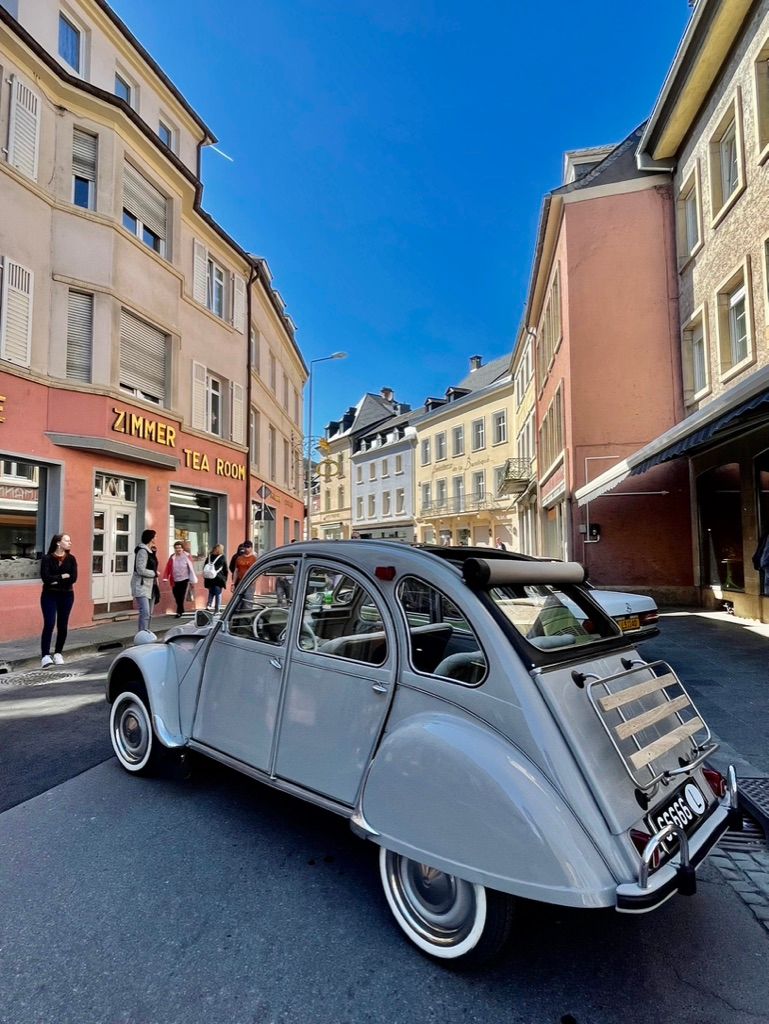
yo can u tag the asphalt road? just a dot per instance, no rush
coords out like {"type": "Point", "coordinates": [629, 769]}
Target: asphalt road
{"type": "Point", "coordinates": [217, 900]}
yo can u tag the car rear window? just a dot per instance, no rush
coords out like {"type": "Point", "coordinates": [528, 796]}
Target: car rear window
{"type": "Point", "coordinates": [552, 618]}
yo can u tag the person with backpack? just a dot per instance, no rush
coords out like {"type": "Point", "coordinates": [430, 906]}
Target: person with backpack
{"type": "Point", "coordinates": [143, 580]}
{"type": "Point", "coordinates": [215, 577]}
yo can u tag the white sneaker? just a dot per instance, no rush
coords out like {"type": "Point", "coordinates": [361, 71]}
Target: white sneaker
{"type": "Point", "coordinates": [58, 659]}
{"type": "Point", "coordinates": [47, 660]}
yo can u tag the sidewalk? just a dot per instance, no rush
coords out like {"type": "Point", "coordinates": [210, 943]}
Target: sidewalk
{"type": "Point", "coordinates": [17, 655]}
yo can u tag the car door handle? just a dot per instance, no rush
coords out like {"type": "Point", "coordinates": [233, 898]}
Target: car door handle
{"type": "Point", "coordinates": [276, 663]}
{"type": "Point", "coordinates": [379, 688]}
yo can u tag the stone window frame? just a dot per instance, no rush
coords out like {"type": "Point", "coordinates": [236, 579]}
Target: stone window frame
{"type": "Point", "coordinates": [698, 319]}
{"type": "Point", "coordinates": [761, 100]}
{"type": "Point", "coordinates": [740, 277]}
{"type": "Point", "coordinates": [732, 115]}
{"type": "Point", "coordinates": [691, 185]}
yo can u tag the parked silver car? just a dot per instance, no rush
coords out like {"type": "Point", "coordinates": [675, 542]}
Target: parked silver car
{"type": "Point", "coordinates": [451, 704]}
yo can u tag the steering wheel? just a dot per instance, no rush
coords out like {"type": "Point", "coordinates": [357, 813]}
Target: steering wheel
{"type": "Point", "coordinates": [259, 626]}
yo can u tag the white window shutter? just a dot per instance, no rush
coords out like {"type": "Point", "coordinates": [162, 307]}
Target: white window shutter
{"type": "Point", "coordinates": [143, 358]}
{"type": "Point", "coordinates": [24, 129]}
{"type": "Point", "coordinates": [199, 272]}
{"type": "Point", "coordinates": [239, 304]}
{"type": "Point", "coordinates": [199, 375]}
{"type": "Point", "coordinates": [79, 336]}
{"type": "Point", "coordinates": [237, 421]}
{"type": "Point", "coordinates": [16, 313]}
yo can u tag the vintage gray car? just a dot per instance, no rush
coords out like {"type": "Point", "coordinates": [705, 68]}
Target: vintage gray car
{"type": "Point", "coordinates": [453, 706]}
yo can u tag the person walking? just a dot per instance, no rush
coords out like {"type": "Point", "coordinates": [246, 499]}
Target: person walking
{"type": "Point", "coordinates": [243, 563]}
{"type": "Point", "coordinates": [58, 571]}
{"type": "Point", "coordinates": [234, 558]}
{"type": "Point", "coordinates": [144, 580]}
{"type": "Point", "coordinates": [181, 575]}
{"type": "Point", "coordinates": [215, 577]}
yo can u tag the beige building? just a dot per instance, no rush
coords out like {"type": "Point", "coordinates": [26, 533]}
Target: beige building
{"type": "Point", "coordinates": [464, 443]}
{"type": "Point", "coordinates": [520, 481]}
{"type": "Point", "coordinates": [125, 319]}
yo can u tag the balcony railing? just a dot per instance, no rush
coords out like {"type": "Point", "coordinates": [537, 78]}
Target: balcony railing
{"type": "Point", "coordinates": [517, 476]}
{"type": "Point", "coordinates": [462, 505]}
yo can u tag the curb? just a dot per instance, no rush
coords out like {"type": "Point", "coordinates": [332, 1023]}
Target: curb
{"type": "Point", "coordinates": [74, 653]}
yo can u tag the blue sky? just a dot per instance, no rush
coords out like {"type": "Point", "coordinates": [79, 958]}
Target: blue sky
{"type": "Point", "coordinates": [390, 159]}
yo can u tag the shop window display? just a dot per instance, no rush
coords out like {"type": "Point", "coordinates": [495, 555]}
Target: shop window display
{"type": "Point", "coordinates": [193, 521]}
{"type": "Point", "coordinates": [22, 526]}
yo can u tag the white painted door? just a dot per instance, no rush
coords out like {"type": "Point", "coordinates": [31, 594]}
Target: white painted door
{"type": "Point", "coordinates": [113, 542]}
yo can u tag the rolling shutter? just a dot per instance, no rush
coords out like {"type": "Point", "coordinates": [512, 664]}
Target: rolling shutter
{"type": "Point", "coordinates": [142, 357]}
{"type": "Point", "coordinates": [199, 272]}
{"type": "Point", "coordinates": [24, 129]}
{"type": "Point", "coordinates": [79, 336]}
{"type": "Point", "coordinates": [199, 376]}
{"type": "Point", "coordinates": [239, 304]}
{"type": "Point", "coordinates": [15, 313]}
{"type": "Point", "coordinates": [144, 201]}
{"type": "Point", "coordinates": [84, 150]}
{"type": "Point", "coordinates": [237, 421]}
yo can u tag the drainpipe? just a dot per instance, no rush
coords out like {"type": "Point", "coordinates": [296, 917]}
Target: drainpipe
{"type": "Point", "coordinates": [253, 276]}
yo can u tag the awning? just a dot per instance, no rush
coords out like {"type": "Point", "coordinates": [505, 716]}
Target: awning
{"type": "Point", "coordinates": [117, 449]}
{"type": "Point", "coordinates": [747, 401]}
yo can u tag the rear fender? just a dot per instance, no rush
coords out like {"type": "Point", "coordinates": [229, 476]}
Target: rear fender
{"type": "Point", "coordinates": [155, 666]}
{"type": "Point", "coordinates": [448, 792]}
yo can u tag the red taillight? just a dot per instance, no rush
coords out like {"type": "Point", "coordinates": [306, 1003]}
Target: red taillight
{"type": "Point", "coordinates": [716, 781]}
{"type": "Point", "coordinates": [649, 618]}
{"type": "Point", "coordinates": [639, 840]}
{"type": "Point", "coordinates": [385, 572]}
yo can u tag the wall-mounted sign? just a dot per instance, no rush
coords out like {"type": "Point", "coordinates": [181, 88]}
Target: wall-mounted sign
{"type": "Point", "coordinates": [222, 467]}
{"type": "Point", "coordinates": [136, 425]}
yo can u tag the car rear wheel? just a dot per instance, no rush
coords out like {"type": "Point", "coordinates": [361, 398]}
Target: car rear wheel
{"type": "Point", "coordinates": [445, 916]}
{"type": "Point", "coordinates": [133, 739]}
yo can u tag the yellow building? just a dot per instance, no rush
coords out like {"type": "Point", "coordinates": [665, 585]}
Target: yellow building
{"type": "Point", "coordinates": [520, 481]}
{"type": "Point", "coordinates": [465, 442]}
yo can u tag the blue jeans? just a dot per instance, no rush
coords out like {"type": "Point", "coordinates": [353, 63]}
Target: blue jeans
{"type": "Point", "coordinates": [56, 608]}
{"type": "Point", "coordinates": [214, 598]}
{"type": "Point", "coordinates": [145, 605]}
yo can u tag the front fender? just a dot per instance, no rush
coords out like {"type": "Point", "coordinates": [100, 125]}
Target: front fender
{"type": "Point", "coordinates": [445, 790]}
{"type": "Point", "coordinates": [156, 666]}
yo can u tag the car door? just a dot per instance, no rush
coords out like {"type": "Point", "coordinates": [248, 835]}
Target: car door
{"type": "Point", "coordinates": [243, 672]}
{"type": "Point", "coordinates": [339, 684]}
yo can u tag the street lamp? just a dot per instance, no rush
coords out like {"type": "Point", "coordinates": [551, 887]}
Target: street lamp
{"type": "Point", "coordinates": [322, 359]}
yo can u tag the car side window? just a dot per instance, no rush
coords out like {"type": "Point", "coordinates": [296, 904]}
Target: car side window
{"type": "Point", "coordinates": [341, 618]}
{"type": "Point", "coordinates": [442, 641]}
{"type": "Point", "coordinates": [261, 608]}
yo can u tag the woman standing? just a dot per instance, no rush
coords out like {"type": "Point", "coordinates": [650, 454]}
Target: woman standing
{"type": "Point", "coordinates": [58, 570]}
{"type": "Point", "coordinates": [215, 577]}
{"type": "Point", "coordinates": [180, 575]}
{"type": "Point", "coordinates": [143, 579]}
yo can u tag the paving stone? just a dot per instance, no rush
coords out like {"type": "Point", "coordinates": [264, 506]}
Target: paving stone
{"type": "Point", "coordinates": [762, 913]}
{"type": "Point", "coordinates": [754, 899]}
{"type": "Point", "coordinates": [760, 879]}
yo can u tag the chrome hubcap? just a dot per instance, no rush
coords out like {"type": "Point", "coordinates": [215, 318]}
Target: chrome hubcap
{"type": "Point", "coordinates": [440, 907]}
{"type": "Point", "coordinates": [132, 732]}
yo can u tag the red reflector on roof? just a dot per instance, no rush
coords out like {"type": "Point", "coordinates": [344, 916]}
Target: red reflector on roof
{"type": "Point", "coordinates": [385, 572]}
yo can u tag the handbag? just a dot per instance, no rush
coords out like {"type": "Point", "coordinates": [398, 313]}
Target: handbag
{"type": "Point", "coordinates": [190, 595]}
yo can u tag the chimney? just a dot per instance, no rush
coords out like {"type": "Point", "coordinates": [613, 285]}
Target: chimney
{"type": "Point", "coordinates": [475, 363]}
{"type": "Point", "coordinates": [387, 394]}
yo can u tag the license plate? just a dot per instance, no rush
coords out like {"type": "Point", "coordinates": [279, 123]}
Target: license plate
{"type": "Point", "coordinates": [685, 808]}
{"type": "Point", "coordinates": [629, 622]}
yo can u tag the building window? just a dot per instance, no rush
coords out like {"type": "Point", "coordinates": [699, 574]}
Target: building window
{"type": "Point", "coordinates": [145, 210]}
{"type": "Point", "coordinates": [359, 474]}
{"type": "Point", "coordinates": [524, 371]}
{"type": "Point", "coordinates": [725, 158]}
{"type": "Point", "coordinates": [440, 446]}
{"type": "Point", "coordinates": [166, 135]}
{"type": "Point", "coordinates": [272, 453]}
{"type": "Point", "coordinates": [400, 500]}
{"type": "Point", "coordinates": [499, 479]}
{"type": "Point", "coordinates": [478, 434]}
{"type": "Point", "coordinates": [215, 287]}
{"type": "Point", "coordinates": [255, 437]}
{"type": "Point", "coordinates": [16, 290]}
{"type": "Point", "coordinates": [441, 494]}
{"type": "Point", "coordinates": [79, 336]}
{"type": "Point", "coordinates": [84, 152]}
{"type": "Point", "coordinates": [23, 530]}
{"type": "Point", "coordinates": [398, 464]}
{"type": "Point", "coordinates": [762, 97]}
{"type": "Point", "coordinates": [525, 442]}
{"type": "Point", "coordinates": [499, 427]}
{"type": "Point", "coordinates": [285, 392]}
{"type": "Point", "coordinates": [340, 497]}
{"type": "Point", "coordinates": [458, 441]}
{"type": "Point", "coordinates": [371, 506]}
{"type": "Point", "coordinates": [426, 497]}
{"type": "Point", "coordinates": [295, 396]}
{"type": "Point", "coordinates": [372, 471]}
{"type": "Point", "coordinates": [551, 431]}
{"type": "Point", "coordinates": [479, 486]}
{"type": "Point", "coordinates": [286, 462]}
{"type": "Point", "coordinates": [327, 500]}
{"type": "Point", "coordinates": [550, 330]}
{"type": "Point", "coordinates": [123, 89]}
{"type": "Point", "coordinates": [273, 373]}
{"type": "Point", "coordinates": [214, 418]}
{"type": "Point", "coordinates": [254, 341]}
{"type": "Point", "coordinates": [734, 321]}
{"type": "Point", "coordinates": [385, 467]}
{"type": "Point", "coordinates": [458, 489]}
{"type": "Point", "coordinates": [695, 357]}
{"type": "Point", "coordinates": [70, 43]}
{"type": "Point", "coordinates": [689, 217]}
{"type": "Point", "coordinates": [359, 508]}
{"type": "Point", "coordinates": [143, 359]}
{"type": "Point", "coordinates": [426, 452]}
{"type": "Point", "coordinates": [386, 504]}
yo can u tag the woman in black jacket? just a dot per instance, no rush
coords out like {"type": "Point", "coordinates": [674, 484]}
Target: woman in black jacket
{"type": "Point", "coordinates": [58, 570]}
{"type": "Point", "coordinates": [215, 578]}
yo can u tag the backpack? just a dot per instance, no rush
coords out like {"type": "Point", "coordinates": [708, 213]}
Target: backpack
{"type": "Point", "coordinates": [210, 571]}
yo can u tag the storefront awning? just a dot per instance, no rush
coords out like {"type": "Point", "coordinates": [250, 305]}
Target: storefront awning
{"type": "Point", "coordinates": [747, 401]}
{"type": "Point", "coordinates": [117, 449]}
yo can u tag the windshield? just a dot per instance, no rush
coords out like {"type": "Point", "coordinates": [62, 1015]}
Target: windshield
{"type": "Point", "coordinates": [551, 619]}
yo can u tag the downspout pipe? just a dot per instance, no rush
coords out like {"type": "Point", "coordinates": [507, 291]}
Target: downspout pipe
{"type": "Point", "coordinates": [252, 278]}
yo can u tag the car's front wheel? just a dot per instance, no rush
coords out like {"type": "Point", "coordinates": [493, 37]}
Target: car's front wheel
{"type": "Point", "coordinates": [445, 916]}
{"type": "Point", "coordinates": [133, 739]}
